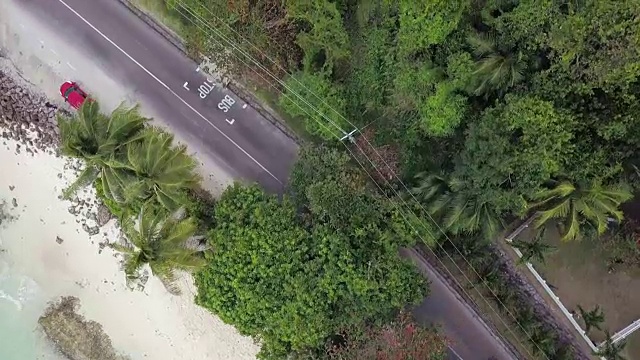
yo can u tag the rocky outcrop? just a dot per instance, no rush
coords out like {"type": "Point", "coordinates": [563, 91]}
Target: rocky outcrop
{"type": "Point", "coordinates": [73, 335]}
{"type": "Point", "coordinates": [24, 116]}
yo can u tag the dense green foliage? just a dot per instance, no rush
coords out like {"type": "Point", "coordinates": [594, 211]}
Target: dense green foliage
{"type": "Point", "coordinates": [292, 272]}
{"type": "Point", "coordinates": [496, 109]}
{"type": "Point", "coordinates": [296, 271]}
{"type": "Point", "coordinates": [502, 98]}
{"type": "Point", "coordinates": [134, 163]}
{"type": "Point", "coordinates": [100, 141]}
{"type": "Point", "coordinates": [489, 105]}
{"type": "Point", "coordinates": [138, 172]}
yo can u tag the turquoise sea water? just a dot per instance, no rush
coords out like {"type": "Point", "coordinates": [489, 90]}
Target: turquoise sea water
{"type": "Point", "coordinates": [21, 304]}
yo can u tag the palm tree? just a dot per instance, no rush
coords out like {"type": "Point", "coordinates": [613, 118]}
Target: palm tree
{"type": "Point", "coordinates": [533, 250]}
{"type": "Point", "coordinates": [161, 242]}
{"type": "Point", "coordinates": [98, 140]}
{"type": "Point", "coordinates": [163, 171]}
{"type": "Point", "coordinates": [591, 319]}
{"type": "Point", "coordinates": [497, 69]}
{"type": "Point", "coordinates": [460, 211]}
{"type": "Point", "coordinates": [611, 350]}
{"type": "Point", "coordinates": [577, 205]}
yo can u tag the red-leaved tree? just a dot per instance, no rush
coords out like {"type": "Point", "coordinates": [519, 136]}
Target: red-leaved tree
{"type": "Point", "coordinates": [401, 339]}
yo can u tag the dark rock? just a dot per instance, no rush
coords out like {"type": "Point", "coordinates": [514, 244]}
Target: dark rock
{"type": "Point", "coordinates": [103, 215]}
{"type": "Point", "coordinates": [59, 240]}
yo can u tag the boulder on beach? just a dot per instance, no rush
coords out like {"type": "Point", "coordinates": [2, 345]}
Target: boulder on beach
{"type": "Point", "coordinates": [75, 337]}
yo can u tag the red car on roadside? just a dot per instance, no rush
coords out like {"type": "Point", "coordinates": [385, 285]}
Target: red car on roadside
{"type": "Point", "coordinates": [73, 94]}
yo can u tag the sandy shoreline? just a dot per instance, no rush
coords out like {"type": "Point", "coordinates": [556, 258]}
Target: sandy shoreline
{"type": "Point", "coordinates": [52, 247]}
{"type": "Point", "coordinates": [144, 325]}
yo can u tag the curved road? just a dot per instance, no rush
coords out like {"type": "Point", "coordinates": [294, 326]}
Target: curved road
{"type": "Point", "coordinates": [240, 141]}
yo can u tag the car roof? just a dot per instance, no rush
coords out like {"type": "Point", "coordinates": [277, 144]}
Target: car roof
{"type": "Point", "coordinates": [75, 98]}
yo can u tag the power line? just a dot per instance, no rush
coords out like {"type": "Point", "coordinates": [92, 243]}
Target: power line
{"type": "Point", "coordinates": [230, 43]}
{"type": "Point", "coordinates": [192, 13]}
{"type": "Point", "coordinates": [261, 76]}
{"type": "Point", "coordinates": [199, 18]}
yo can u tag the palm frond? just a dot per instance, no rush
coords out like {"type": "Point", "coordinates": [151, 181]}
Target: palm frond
{"type": "Point", "coordinates": [572, 226]}
{"type": "Point", "coordinates": [481, 43]}
{"type": "Point", "coordinates": [454, 214]}
{"type": "Point", "coordinates": [175, 235]}
{"type": "Point", "coordinates": [561, 190]}
{"type": "Point", "coordinates": [429, 186]}
{"type": "Point", "coordinates": [126, 124]}
{"type": "Point", "coordinates": [86, 177]}
{"type": "Point", "coordinates": [560, 210]}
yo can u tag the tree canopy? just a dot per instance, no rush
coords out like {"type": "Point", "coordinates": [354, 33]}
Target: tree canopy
{"type": "Point", "coordinates": [493, 110]}
{"type": "Point", "coordinates": [293, 279]}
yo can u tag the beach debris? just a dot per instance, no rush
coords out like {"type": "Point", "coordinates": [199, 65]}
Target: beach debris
{"type": "Point", "coordinates": [11, 187]}
{"type": "Point", "coordinates": [14, 202]}
{"type": "Point", "coordinates": [59, 240]}
{"type": "Point", "coordinates": [73, 335]}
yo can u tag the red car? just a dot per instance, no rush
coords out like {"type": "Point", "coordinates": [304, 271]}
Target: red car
{"type": "Point", "coordinates": [73, 94]}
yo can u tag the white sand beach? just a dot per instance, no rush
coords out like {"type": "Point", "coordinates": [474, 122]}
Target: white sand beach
{"type": "Point", "coordinates": [46, 252]}
{"type": "Point", "coordinates": [149, 324]}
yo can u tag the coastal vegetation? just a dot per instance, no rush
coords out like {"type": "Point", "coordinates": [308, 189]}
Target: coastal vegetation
{"type": "Point", "coordinates": [493, 110]}
{"type": "Point", "coordinates": [301, 274]}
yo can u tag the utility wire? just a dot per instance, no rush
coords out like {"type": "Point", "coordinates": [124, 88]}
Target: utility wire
{"type": "Point", "coordinates": [192, 13]}
{"type": "Point", "coordinates": [230, 43]}
{"type": "Point", "coordinates": [244, 62]}
{"type": "Point", "coordinates": [222, 37]}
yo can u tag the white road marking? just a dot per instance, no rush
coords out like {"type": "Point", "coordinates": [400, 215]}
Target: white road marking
{"type": "Point", "coordinates": [198, 69]}
{"type": "Point", "coordinates": [53, 51]}
{"type": "Point", "coordinates": [71, 66]}
{"type": "Point", "coordinates": [455, 353]}
{"type": "Point", "coordinates": [231, 122]}
{"type": "Point", "coordinates": [244, 106]}
{"type": "Point", "coordinates": [185, 85]}
{"type": "Point", "coordinates": [169, 89]}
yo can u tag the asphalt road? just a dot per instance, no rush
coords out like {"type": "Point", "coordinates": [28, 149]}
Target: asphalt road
{"type": "Point", "coordinates": [250, 147]}
{"type": "Point", "coordinates": [471, 340]}
{"type": "Point", "coordinates": [245, 144]}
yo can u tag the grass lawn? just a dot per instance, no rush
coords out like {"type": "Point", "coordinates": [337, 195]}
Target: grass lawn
{"type": "Point", "coordinates": [579, 274]}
